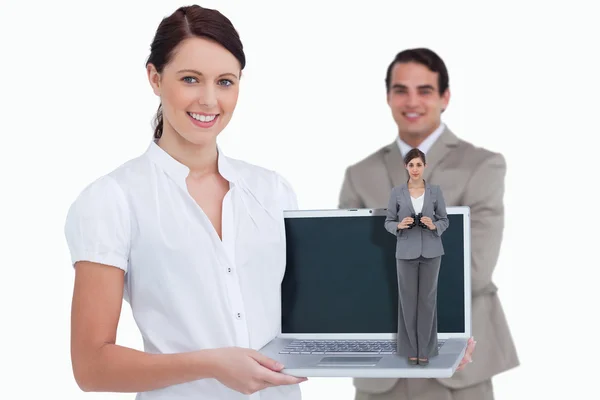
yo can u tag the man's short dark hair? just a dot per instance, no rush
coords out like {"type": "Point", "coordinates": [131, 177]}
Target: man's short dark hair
{"type": "Point", "coordinates": [424, 57]}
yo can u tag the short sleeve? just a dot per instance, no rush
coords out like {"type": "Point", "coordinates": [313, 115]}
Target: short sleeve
{"type": "Point", "coordinates": [287, 198]}
{"type": "Point", "coordinates": [98, 226]}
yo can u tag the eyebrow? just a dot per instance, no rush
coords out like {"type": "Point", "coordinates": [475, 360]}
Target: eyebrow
{"type": "Point", "coordinates": [400, 86]}
{"type": "Point", "coordinates": [200, 73]}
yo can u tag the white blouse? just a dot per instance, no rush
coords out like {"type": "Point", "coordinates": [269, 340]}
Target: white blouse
{"type": "Point", "coordinates": [418, 203]}
{"type": "Point", "coordinates": [189, 290]}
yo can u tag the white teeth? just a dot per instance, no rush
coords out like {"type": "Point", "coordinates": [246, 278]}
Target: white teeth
{"type": "Point", "coordinates": [412, 115]}
{"type": "Point", "coordinates": [203, 118]}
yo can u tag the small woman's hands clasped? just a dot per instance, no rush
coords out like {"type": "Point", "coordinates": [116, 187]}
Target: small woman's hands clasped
{"type": "Point", "coordinates": [248, 371]}
{"type": "Point", "coordinates": [428, 222]}
{"type": "Point", "coordinates": [406, 221]}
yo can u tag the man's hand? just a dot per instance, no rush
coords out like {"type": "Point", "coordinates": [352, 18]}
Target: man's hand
{"type": "Point", "coordinates": [468, 354]}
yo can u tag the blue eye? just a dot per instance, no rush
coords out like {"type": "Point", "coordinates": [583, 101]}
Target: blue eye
{"type": "Point", "coordinates": [225, 82]}
{"type": "Point", "coordinates": [189, 79]}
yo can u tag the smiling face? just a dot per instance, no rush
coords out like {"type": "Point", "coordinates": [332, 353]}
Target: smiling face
{"type": "Point", "coordinates": [198, 90]}
{"type": "Point", "coordinates": [415, 100]}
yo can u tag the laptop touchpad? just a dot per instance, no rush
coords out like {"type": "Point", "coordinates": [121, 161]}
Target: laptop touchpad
{"type": "Point", "coordinates": [348, 361]}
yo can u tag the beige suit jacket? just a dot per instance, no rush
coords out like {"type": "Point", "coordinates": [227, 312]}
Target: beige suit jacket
{"type": "Point", "coordinates": [468, 176]}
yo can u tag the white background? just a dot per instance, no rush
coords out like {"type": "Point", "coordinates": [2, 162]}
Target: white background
{"type": "Point", "coordinates": [75, 103]}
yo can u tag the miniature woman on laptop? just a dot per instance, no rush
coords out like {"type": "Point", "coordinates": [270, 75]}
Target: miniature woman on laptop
{"type": "Point", "coordinates": [416, 214]}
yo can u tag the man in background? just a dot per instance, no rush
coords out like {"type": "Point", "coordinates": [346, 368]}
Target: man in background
{"type": "Point", "coordinates": [418, 93]}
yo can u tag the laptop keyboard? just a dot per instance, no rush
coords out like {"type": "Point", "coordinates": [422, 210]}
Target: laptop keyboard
{"type": "Point", "coordinates": [343, 347]}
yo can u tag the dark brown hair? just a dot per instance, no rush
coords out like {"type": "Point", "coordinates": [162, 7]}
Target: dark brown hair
{"type": "Point", "coordinates": [425, 57]}
{"type": "Point", "coordinates": [412, 154]}
{"type": "Point", "coordinates": [186, 22]}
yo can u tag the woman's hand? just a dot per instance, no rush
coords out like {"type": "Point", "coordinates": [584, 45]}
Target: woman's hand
{"type": "Point", "coordinates": [405, 222]}
{"type": "Point", "coordinates": [429, 223]}
{"type": "Point", "coordinates": [248, 371]}
{"type": "Point", "coordinates": [468, 354]}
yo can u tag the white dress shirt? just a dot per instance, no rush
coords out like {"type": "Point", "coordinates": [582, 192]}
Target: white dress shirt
{"type": "Point", "coordinates": [189, 290]}
{"type": "Point", "coordinates": [425, 144]}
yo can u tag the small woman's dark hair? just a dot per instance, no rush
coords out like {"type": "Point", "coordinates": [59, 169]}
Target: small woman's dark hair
{"type": "Point", "coordinates": [412, 154]}
{"type": "Point", "coordinates": [186, 22]}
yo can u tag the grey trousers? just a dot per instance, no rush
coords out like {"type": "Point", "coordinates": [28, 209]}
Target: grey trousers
{"type": "Point", "coordinates": [417, 306]}
{"type": "Point", "coordinates": [430, 389]}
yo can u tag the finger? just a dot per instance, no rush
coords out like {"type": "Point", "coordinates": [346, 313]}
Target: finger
{"type": "Point", "coordinates": [462, 364]}
{"type": "Point", "coordinates": [277, 378]}
{"type": "Point", "coordinates": [471, 347]}
{"type": "Point", "coordinates": [469, 356]}
{"type": "Point", "coordinates": [266, 361]}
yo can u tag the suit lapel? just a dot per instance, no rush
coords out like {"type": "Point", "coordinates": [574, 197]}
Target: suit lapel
{"type": "Point", "coordinates": [426, 198]}
{"type": "Point", "coordinates": [395, 165]}
{"type": "Point", "coordinates": [440, 149]}
{"type": "Point", "coordinates": [408, 198]}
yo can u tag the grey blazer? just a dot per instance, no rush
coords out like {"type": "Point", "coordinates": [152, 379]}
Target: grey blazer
{"type": "Point", "coordinates": [416, 242]}
{"type": "Point", "coordinates": [469, 176]}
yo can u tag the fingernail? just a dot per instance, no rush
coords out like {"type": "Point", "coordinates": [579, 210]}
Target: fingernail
{"type": "Point", "coordinates": [279, 365]}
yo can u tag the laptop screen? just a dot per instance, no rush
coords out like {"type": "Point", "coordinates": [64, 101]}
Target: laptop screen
{"type": "Point", "coordinates": [341, 276]}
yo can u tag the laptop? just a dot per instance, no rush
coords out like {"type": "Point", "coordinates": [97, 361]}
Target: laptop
{"type": "Point", "coordinates": [339, 297]}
